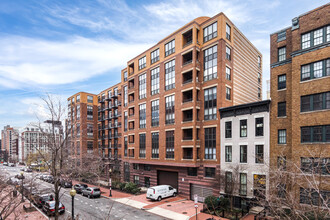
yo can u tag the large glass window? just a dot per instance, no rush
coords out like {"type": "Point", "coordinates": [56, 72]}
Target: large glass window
{"type": "Point", "coordinates": [154, 56]}
{"type": "Point", "coordinates": [90, 129]}
{"type": "Point", "coordinates": [170, 144]}
{"type": "Point", "coordinates": [259, 153]}
{"type": "Point", "coordinates": [228, 28]}
{"type": "Point", "coordinates": [243, 184]}
{"type": "Point", "coordinates": [169, 48]}
{"type": "Point", "coordinates": [210, 103]}
{"type": "Point", "coordinates": [281, 54]}
{"type": "Point", "coordinates": [78, 112]}
{"type": "Point", "coordinates": [281, 84]}
{"type": "Point", "coordinates": [169, 109]}
{"type": "Point", "coordinates": [170, 75]}
{"type": "Point", "coordinates": [228, 129]}
{"type": "Point", "coordinates": [210, 63]}
{"type": "Point", "coordinates": [315, 70]}
{"type": "Point", "coordinates": [125, 121]}
{"type": "Point", "coordinates": [229, 182]}
{"type": "Point", "coordinates": [282, 136]}
{"type": "Point", "coordinates": [142, 62]}
{"type": "Point", "coordinates": [319, 133]}
{"type": "Point", "coordinates": [210, 32]}
{"type": "Point", "coordinates": [315, 37]}
{"type": "Point", "coordinates": [313, 197]}
{"type": "Point", "coordinates": [259, 126]}
{"type": "Point", "coordinates": [143, 86]}
{"type": "Point", "coordinates": [315, 165]}
{"type": "Point", "coordinates": [228, 73]}
{"type": "Point", "coordinates": [142, 115]}
{"type": "Point", "coordinates": [243, 154]}
{"type": "Point", "coordinates": [155, 81]}
{"type": "Point", "coordinates": [243, 128]}
{"type": "Point", "coordinates": [228, 93]}
{"type": "Point", "coordinates": [142, 145]}
{"type": "Point", "coordinates": [155, 145]}
{"type": "Point", "coordinates": [155, 113]}
{"type": "Point", "coordinates": [209, 172]}
{"type": "Point", "coordinates": [89, 112]}
{"type": "Point", "coordinates": [125, 96]}
{"type": "Point", "coordinates": [315, 102]}
{"type": "Point", "coordinates": [210, 143]}
{"type": "Point", "coordinates": [228, 53]}
{"type": "Point", "coordinates": [90, 99]}
{"type": "Point", "coordinates": [281, 109]}
{"type": "Point", "coordinates": [125, 76]}
{"type": "Point", "coordinates": [228, 153]}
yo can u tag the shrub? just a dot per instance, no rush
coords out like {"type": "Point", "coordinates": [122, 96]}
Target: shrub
{"type": "Point", "coordinates": [115, 185]}
{"type": "Point", "coordinates": [223, 203]}
{"type": "Point", "coordinates": [211, 203]}
{"type": "Point", "coordinates": [131, 188]}
{"type": "Point", "coordinates": [122, 186]}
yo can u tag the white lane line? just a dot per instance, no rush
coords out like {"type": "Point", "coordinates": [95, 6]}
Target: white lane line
{"type": "Point", "coordinates": [77, 199]}
{"type": "Point", "coordinates": [136, 217]}
{"type": "Point", "coordinates": [86, 203]}
{"type": "Point", "coordinates": [116, 216]}
{"type": "Point", "coordinates": [90, 205]}
{"type": "Point", "coordinates": [97, 208]}
{"type": "Point", "coordinates": [113, 208]}
{"type": "Point", "coordinates": [101, 210]}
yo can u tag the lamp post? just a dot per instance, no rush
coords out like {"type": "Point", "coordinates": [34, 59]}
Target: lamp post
{"type": "Point", "coordinates": [110, 172]}
{"type": "Point", "coordinates": [72, 194]}
{"type": "Point", "coordinates": [22, 177]}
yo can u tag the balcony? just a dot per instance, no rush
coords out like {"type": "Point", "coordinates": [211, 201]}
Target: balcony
{"type": "Point", "coordinates": [187, 77]}
{"type": "Point", "coordinates": [187, 96]}
{"type": "Point", "coordinates": [187, 38]}
{"type": "Point", "coordinates": [187, 134]}
{"type": "Point", "coordinates": [102, 99]}
{"type": "Point", "coordinates": [131, 69]}
{"type": "Point", "coordinates": [187, 153]}
{"type": "Point", "coordinates": [187, 115]}
{"type": "Point", "coordinates": [187, 58]}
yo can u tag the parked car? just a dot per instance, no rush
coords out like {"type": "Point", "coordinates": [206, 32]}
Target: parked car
{"type": "Point", "coordinates": [11, 164]}
{"type": "Point", "coordinates": [66, 183]}
{"type": "Point", "coordinates": [5, 163]}
{"type": "Point", "coordinates": [49, 208]}
{"type": "Point", "coordinates": [91, 192]}
{"type": "Point", "coordinates": [28, 170]}
{"type": "Point", "coordinates": [80, 187]}
{"type": "Point", "coordinates": [14, 181]}
{"type": "Point", "coordinates": [161, 192]}
{"type": "Point", "coordinates": [39, 200]}
{"type": "Point", "coordinates": [19, 176]}
{"type": "Point", "coordinates": [49, 179]}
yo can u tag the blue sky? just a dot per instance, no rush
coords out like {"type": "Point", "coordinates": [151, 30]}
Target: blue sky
{"type": "Point", "coordinates": [63, 47]}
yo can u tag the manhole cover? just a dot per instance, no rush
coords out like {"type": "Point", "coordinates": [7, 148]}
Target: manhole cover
{"type": "Point", "coordinates": [184, 212]}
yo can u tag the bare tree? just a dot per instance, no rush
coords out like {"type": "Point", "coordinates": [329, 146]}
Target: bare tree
{"type": "Point", "coordinates": [52, 146]}
{"type": "Point", "coordinates": [8, 201]}
{"type": "Point", "coordinates": [298, 189]}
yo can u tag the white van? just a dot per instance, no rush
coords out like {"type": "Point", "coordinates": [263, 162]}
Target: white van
{"type": "Point", "coordinates": [161, 192]}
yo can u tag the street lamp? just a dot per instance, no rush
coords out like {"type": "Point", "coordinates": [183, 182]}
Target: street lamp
{"type": "Point", "coordinates": [110, 172]}
{"type": "Point", "coordinates": [22, 177]}
{"type": "Point", "coordinates": [72, 194]}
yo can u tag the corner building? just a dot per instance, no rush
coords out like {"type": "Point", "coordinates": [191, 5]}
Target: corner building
{"type": "Point", "coordinates": [171, 94]}
{"type": "Point", "coordinates": [300, 93]}
{"type": "Point", "coordinates": [82, 125]}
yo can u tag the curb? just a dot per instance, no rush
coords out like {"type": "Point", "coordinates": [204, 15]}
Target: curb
{"type": "Point", "coordinates": [164, 203]}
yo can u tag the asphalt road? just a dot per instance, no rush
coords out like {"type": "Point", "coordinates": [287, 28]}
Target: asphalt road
{"type": "Point", "coordinates": [89, 209]}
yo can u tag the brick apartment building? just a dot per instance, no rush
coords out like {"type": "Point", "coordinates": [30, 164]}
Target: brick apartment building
{"type": "Point", "coordinates": [300, 93]}
{"type": "Point", "coordinates": [10, 143]}
{"type": "Point", "coordinates": [82, 124]}
{"type": "Point", "coordinates": [109, 126]}
{"type": "Point", "coordinates": [171, 94]}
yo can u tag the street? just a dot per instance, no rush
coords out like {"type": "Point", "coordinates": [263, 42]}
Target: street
{"type": "Point", "coordinates": [97, 208]}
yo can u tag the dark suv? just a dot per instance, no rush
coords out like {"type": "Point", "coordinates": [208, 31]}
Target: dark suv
{"type": "Point", "coordinates": [66, 183]}
{"type": "Point", "coordinates": [39, 200]}
{"type": "Point", "coordinates": [80, 187]}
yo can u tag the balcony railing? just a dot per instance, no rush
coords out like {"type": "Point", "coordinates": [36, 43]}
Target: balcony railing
{"type": "Point", "coordinates": [187, 100]}
{"type": "Point", "coordinates": [188, 157]}
{"type": "Point", "coordinates": [187, 81]}
{"type": "Point", "coordinates": [188, 119]}
{"type": "Point", "coordinates": [187, 62]}
{"type": "Point", "coordinates": [187, 138]}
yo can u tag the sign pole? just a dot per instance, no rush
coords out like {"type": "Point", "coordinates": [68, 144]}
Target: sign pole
{"type": "Point", "coordinates": [196, 203]}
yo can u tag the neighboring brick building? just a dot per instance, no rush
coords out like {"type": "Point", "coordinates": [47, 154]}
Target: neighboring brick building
{"type": "Point", "coordinates": [109, 126]}
{"type": "Point", "coordinates": [171, 96]}
{"type": "Point", "coordinates": [300, 93]}
{"type": "Point", "coordinates": [10, 143]}
{"type": "Point", "coordinates": [82, 124]}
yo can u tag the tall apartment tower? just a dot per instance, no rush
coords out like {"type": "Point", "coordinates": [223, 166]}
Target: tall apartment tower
{"type": "Point", "coordinates": [171, 96]}
{"type": "Point", "coordinates": [109, 127]}
{"type": "Point", "coordinates": [300, 93]}
{"type": "Point", "coordinates": [10, 137]}
{"type": "Point", "coordinates": [82, 124]}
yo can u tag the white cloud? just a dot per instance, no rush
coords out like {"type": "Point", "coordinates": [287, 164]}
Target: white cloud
{"type": "Point", "coordinates": [26, 61]}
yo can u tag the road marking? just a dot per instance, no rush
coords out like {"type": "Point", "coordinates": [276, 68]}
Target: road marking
{"type": "Point", "coordinates": [116, 216]}
{"type": "Point", "coordinates": [91, 206]}
{"type": "Point", "coordinates": [101, 210]}
{"type": "Point", "coordinates": [136, 217]}
{"type": "Point", "coordinates": [77, 199]}
{"type": "Point", "coordinates": [113, 208]}
{"type": "Point", "coordinates": [97, 208]}
{"type": "Point", "coordinates": [86, 203]}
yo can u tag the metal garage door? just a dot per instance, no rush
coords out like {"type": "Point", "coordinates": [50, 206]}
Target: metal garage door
{"type": "Point", "coordinates": [167, 178]}
{"type": "Point", "coordinates": [201, 191]}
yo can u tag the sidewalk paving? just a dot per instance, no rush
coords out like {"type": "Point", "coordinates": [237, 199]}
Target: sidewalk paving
{"type": "Point", "coordinates": [176, 208]}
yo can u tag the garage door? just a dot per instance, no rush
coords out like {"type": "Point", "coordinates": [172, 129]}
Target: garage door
{"type": "Point", "coordinates": [167, 178]}
{"type": "Point", "coordinates": [201, 191]}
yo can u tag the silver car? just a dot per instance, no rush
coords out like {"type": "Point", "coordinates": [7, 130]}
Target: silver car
{"type": "Point", "coordinates": [91, 192]}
